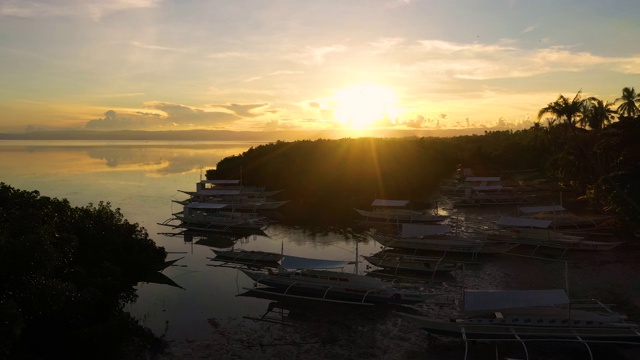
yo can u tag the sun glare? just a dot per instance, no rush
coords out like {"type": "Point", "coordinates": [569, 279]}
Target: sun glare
{"type": "Point", "coordinates": [361, 106]}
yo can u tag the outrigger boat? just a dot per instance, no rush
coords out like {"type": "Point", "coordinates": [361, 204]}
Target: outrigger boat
{"type": "Point", "coordinates": [216, 218]}
{"type": "Point", "coordinates": [492, 195]}
{"type": "Point", "coordinates": [439, 238]}
{"type": "Point", "coordinates": [531, 316]}
{"type": "Point", "coordinates": [233, 194]}
{"type": "Point", "coordinates": [397, 211]}
{"type": "Point", "coordinates": [562, 219]}
{"type": "Point", "coordinates": [536, 232]}
{"type": "Point", "coordinates": [310, 279]}
{"type": "Point", "coordinates": [414, 263]}
{"type": "Point", "coordinates": [251, 258]}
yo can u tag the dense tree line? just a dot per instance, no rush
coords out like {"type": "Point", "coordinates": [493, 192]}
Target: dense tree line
{"type": "Point", "coordinates": [326, 179]}
{"type": "Point", "coordinates": [65, 275]}
{"type": "Point", "coordinates": [585, 144]}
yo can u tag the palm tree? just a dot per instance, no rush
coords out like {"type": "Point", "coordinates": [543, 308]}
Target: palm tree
{"type": "Point", "coordinates": [629, 98]}
{"type": "Point", "coordinates": [563, 108]}
{"type": "Point", "coordinates": [596, 113]}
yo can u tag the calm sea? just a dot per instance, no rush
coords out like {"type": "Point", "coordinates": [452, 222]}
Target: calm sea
{"type": "Point", "coordinates": [206, 310]}
{"type": "Point", "coordinates": [142, 179]}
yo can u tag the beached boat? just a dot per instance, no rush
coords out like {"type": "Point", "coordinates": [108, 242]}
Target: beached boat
{"type": "Point", "coordinates": [531, 316]}
{"type": "Point", "coordinates": [312, 279]}
{"type": "Point", "coordinates": [414, 263]}
{"type": "Point", "coordinates": [397, 211]}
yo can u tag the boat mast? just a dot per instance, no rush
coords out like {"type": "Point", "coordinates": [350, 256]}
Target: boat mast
{"type": "Point", "coordinates": [357, 256]}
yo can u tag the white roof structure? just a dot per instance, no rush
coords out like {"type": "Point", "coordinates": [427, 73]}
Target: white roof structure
{"type": "Point", "coordinates": [508, 221]}
{"type": "Point", "coordinates": [496, 300]}
{"type": "Point", "coordinates": [539, 209]}
{"type": "Point", "coordinates": [220, 182]}
{"type": "Point", "coordinates": [417, 230]}
{"type": "Point", "coordinates": [390, 203]}
{"type": "Point", "coordinates": [300, 263]}
{"type": "Point", "coordinates": [214, 192]}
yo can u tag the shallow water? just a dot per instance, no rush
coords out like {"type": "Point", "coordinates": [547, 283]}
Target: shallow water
{"type": "Point", "coordinates": [210, 316]}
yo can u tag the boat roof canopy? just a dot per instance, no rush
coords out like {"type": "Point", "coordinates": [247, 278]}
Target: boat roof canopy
{"type": "Point", "coordinates": [496, 300]}
{"type": "Point", "coordinates": [214, 192]}
{"type": "Point", "coordinates": [199, 205]}
{"type": "Point", "coordinates": [417, 230]}
{"type": "Point", "coordinates": [220, 182]}
{"type": "Point", "coordinates": [510, 221]}
{"type": "Point", "coordinates": [301, 263]}
{"type": "Point", "coordinates": [393, 203]}
{"type": "Point", "coordinates": [538, 209]}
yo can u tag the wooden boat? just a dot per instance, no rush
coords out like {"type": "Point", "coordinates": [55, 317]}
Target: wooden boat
{"type": "Point", "coordinates": [233, 194]}
{"type": "Point", "coordinates": [214, 217]}
{"type": "Point", "coordinates": [537, 233]}
{"type": "Point", "coordinates": [464, 184]}
{"type": "Point", "coordinates": [397, 211]}
{"type": "Point", "coordinates": [439, 238]}
{"type": "Point", "coordinates": [229, 188]}
{"type": "Point", "coordinates": [485, 195]}
{"type": "Point", "coordinates": [562, 219]}
{"type": "Point", "coordinates": [415, 263]}
{"type": "Point", "coordinates": [247, 257]}
{"type": "Point", "coordinates": [446, 243]}
{"type": "Point", "coordinates": [311, 279]}
{"type": "Point", "coordinates": [531, 316]}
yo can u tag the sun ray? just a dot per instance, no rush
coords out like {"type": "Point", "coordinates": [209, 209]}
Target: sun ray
{"type": "Point", "coordinates": [361, 106]}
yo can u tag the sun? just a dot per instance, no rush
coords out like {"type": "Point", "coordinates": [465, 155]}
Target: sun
{"type": "Point", "coordinates": [361, 106]}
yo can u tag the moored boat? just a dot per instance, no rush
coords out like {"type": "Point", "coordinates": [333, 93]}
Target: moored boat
{"type": "Point", "coordinates": [531, 316]}
{"type": "Point", "coordinates": [311, 279]}
{"type": "Point", "coordinates": [536, 232]}
{"type": "Point", "coordinates": [233, 194]}
{"type": "Point", "coordinates": [414, 263]}
{"type": "Point", "coordinates": [214, 217]}
{"type": "Point", "coordinates": [247, 256]}
{"type": "Point", "coordinates": [560, 218]}
{"type": "Point", "coordinates": [397, 211]}
{"type": "Point", "coordinates": [440, 238]}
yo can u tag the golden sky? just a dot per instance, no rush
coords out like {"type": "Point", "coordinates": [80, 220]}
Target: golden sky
{"type": "Point", "coordinates": [291, 64]}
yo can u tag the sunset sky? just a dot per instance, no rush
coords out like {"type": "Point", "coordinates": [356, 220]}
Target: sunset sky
{"type": "Point", "coordinates": [287, 65]}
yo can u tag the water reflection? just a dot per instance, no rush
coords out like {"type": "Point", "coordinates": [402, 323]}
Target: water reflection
{"type": "Point", "coordinates": [142, 178]}
{"type": "Point", "coordinates": [154, 158]}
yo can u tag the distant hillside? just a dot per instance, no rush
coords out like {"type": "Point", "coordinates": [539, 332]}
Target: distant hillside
{"type": "Point", "coordinates": [226, 135]}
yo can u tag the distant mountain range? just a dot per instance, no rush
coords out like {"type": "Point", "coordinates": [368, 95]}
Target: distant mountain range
{"type": "Point", "coordinates": [226, 135]}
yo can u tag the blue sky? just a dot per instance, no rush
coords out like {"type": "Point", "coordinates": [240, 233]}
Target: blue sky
{"type": "Point", "coordinates": [283, 65]}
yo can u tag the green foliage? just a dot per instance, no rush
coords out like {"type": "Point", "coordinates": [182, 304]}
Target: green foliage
{"type": "Point", "coordinates": [65, 274]}
{"type": "Point", "coordinates": [328, 178]}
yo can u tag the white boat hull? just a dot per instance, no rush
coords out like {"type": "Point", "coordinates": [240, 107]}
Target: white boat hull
{"type": "Point", "coordinates": [335, 286]}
